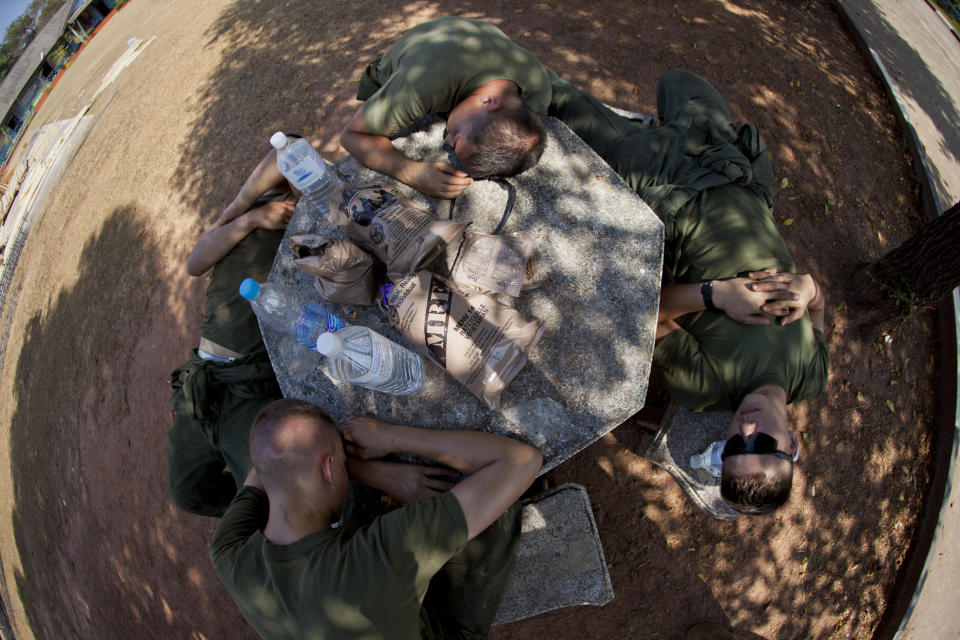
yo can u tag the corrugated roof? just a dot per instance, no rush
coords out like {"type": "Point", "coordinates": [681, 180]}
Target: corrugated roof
{"type": "Point", "coordinates": [31, 58]}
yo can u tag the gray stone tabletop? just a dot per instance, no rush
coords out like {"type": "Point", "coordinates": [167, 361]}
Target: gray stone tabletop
{"type": "Point", "coordinates": [599, 256]}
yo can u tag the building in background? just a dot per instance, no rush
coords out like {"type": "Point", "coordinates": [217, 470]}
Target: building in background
{"type": "Point", "coordinates": [38, 65]}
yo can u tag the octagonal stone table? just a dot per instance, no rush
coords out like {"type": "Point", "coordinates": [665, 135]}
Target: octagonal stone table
{"type": "Point", "coordinates": [599, 256]}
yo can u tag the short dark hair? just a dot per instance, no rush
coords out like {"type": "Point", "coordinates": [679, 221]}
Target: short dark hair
{"type": "Point", "coordinates": [269, 460]}
{"type": "Point", "coordinates": [510, 141]}
{"type": "Point", "coordinates": [757, 493]}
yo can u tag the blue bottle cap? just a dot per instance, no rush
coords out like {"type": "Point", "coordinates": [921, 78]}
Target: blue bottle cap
{"type": "Point", "coordinates": [249, 288]}
{"type": "Point", "coordinates": [385, 293]}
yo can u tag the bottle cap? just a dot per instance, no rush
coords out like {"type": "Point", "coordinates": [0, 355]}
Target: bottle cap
{"type": "Point", "coordinates": [249, 288]}
{"type": "Point", "coordinates": [329, 344]}
{"type": "Point", "coordinates": [278, 140]}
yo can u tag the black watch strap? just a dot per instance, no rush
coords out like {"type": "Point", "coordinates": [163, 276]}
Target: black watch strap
{"type": "Point", "coordinates": [706, 290]}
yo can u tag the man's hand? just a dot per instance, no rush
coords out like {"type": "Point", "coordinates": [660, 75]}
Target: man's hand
{"type": "Point", "coordinates": [804, 294]}
{"type": "Point", "coordinates": [438, 179]}
{"type": "Point", "coordinates": [409, 483]}
{"type": "Point", "coordinates": [366, 438]}
{"type": "Point", "coordinates": [413, 482]}
{"type": "Point", "coordinates": [742, 300]}
{"type": "Point", "coordinates": [273, 215]}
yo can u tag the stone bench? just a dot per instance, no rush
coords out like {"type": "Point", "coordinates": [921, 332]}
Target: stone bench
{"type": "Point", "coordinates": [559, 560]}
{"type": "Point", "coordinates": [684, 433]}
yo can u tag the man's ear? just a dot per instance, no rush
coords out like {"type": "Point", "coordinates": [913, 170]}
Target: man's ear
{"type": "Point", "coordinates": [326, 469]}
{"type": "Point", "coordinates": [794, 444]}
{"type": "Point", "coordinates": [491, 103]}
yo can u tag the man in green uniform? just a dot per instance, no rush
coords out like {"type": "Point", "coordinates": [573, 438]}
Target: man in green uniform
{"type": "Point", "coordinates": [434, 568]}
{"type": "Point", "coordinates": [489, 88]}
{"type": "Point", "coordinates": [711, 185]}
{"type": "Point", "coordinates": [228, 378]}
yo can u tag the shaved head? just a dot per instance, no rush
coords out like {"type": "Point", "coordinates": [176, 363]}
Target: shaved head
{"type": "Point", "coordinates": [287, 438]}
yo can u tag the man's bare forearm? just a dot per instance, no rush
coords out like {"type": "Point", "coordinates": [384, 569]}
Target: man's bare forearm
{"type": "Point", "coordinates": [677, 300]}
{"type": "Point", "coordinates": [264, 177]}
{"type": "Point", "coordinates": [377, 153]}
{"type": "Point", "coordinates": [498, 469]}
{"type": "Point", "coordinates": [217, 242]}
{"type": "Point", "coordinates": [465, 451]}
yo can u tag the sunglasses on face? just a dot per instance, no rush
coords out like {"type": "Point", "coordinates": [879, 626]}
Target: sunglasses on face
{"type": "Point", "coordinates": [758, 443]}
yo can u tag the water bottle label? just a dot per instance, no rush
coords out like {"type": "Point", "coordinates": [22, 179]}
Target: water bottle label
{"type": "Point", "coordinates": [334, 323]}
{"type": "Point", "coordinates": [307, 172]}
{"type": "Point", "coordinates": [301, 174]}
{"type": "Point", "coordinates": [302, 167]}
{"type": "Point", "coordinates": [381, 362]}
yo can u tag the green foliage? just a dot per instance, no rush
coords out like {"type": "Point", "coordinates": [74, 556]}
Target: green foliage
{"type": "Point", "coordinates": [21, 32]}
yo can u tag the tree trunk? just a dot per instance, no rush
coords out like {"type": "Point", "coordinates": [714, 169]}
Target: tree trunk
{"type": "Point", "coordinates": [913, 277]}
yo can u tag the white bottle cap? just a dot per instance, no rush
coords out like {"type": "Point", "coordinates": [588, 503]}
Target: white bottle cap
{"type": "Point", "coordinates": [329, 344]}
{"type": "Point", "coordinates": [278, 140]}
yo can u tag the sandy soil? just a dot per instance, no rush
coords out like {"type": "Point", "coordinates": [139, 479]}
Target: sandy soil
{"type": "Point", "coordinates": [92, 546]}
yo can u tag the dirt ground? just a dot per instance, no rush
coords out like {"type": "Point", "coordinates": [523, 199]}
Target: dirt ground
{"type": "Point", "coordinates": [91, 545]}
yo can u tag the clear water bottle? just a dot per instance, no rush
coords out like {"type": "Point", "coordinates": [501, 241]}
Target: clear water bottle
{"type": "Point", "coordinates": [282, 310]}
{"type": "Point", "coordinates": [364, 357]}
{"type": "Point", "coordinates": [709, 461]}
{"type": "Point", "coordinates": [276, 305]}
{"type": "Point", "coordinates": [303, 167]}
{"type": "Point", "coordinates": [313, 320]}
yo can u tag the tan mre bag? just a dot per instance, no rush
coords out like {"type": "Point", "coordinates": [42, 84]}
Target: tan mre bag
{"type": "Point", "coordinates": [385, 223]}
{"type": "Point", "coordinates": [479, 341]}
{"type": "Point", "coordinates": [344, 271]}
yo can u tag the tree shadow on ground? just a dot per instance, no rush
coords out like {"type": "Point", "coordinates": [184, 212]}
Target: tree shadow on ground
{"type": "Point", "coordinates": [77, 389]}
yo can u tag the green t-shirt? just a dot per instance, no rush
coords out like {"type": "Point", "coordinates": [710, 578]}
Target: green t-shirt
{"type": "Point", "coordinates": [724, 232]}
{"type": "Point", "coordinates": [228, 319]}
{"type": "Point", "coordinates": [714, 361]}
{"type": "Point", "coordinates": [330, 585]}
{"type": "Point", "coordinates": [435, 65]}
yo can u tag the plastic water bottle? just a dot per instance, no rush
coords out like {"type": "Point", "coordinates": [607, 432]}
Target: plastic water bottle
{"type": "Point", "coordinates": [709, 461]}
{"type": "Point", "coordinates": [303, 167]}
{"type": "Point", "coordinates": [364, 357]}
{"type": "Point", "coordinates": [276, 305]}
{"type": "Point", "coordinates": [281, 309]}
{"type": "Point", "coordinates": [312, 321]}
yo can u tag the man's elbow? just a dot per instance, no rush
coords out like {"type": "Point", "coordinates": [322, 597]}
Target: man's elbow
{"type": "Point", "coordinates": [665, 328]}
{"type": "Point", "coordinates": [349, 137]}
{"type": "Point", "coordinates": [528, 458]}
{"type": "Point", "coordinates": [345, 138]}
{"type": "Point", "coordinates": [194, 267]}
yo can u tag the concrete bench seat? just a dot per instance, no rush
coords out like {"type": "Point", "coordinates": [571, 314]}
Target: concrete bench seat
{"type": "Point", "coordinates": [559, 561]}
{"type": "Point", "coordinates": [684, 433]}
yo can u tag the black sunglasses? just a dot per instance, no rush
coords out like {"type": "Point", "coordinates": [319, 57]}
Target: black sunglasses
{"type": "Point", "coordinates": [758, 443]}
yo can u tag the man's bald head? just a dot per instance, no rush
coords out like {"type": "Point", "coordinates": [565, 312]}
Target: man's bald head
{"type": "Point", "coordinates": [287, 439]}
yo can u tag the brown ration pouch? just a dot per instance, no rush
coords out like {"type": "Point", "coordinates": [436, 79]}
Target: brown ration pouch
{"type": "Point", "coordinates": [344, 271]}
{"type": "Point", "coordinates": [480, 342]}
{"type": "Point", "coordinates": [385, 223]}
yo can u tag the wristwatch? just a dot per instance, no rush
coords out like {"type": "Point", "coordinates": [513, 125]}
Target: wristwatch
{"type": "Point", "coordinates": [706, 290]}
